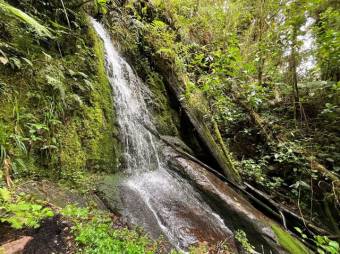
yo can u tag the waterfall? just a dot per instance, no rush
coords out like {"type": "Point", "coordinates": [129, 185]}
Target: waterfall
{"type": "Point", "coordinates": [155, 198]}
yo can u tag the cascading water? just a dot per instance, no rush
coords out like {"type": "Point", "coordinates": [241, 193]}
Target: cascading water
{"type": "Point", "coordinates": [154, 197]}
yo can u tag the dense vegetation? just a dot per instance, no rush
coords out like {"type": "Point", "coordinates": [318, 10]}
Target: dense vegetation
{"type": "Point", "coordinates": [264, 75]}
{"type": "Point", "coordinates": [270, 73]}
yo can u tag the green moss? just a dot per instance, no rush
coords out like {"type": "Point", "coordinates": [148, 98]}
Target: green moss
{"type": "Point", "coordinates": [72, 156]}
{"type": "Point", "coordinates": [104, 148]}
{"type": "Point", "coordinates": [226, 152]}
{"type": "Point", "coordinates": [67, 91]}
{"type": "Point", "coordinates": [164, 115]}
{"type": "Point", "coordinates": [40, 29]}
{"type": "Point", "coordinates": [98, 49]}
{"type": "Point", "coordinates": [89, 141]}
{"type": "Point", "coordinates": [288, 242]}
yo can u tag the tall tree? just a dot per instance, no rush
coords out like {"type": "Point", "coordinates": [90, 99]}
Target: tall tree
{"type": "Point", "coordinates": [295, 18]}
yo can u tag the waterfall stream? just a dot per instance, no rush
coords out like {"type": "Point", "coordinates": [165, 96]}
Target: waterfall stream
{"type": "Point", "coordinates": [154, 197]}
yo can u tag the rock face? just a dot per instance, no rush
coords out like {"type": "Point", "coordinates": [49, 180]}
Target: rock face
{"type": "Point", "coordinates": [163, 203]}
{"type": "Point", "coordinates": [236, 212]}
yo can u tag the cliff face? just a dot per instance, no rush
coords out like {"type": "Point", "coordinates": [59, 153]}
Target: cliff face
{"type": "Point", "coordinates": [57, 114]}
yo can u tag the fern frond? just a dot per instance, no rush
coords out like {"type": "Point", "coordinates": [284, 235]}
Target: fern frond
{"type": "Point", "coordinates": [57, 85]}
{"type": "Point", "coordinates": [10, 10]}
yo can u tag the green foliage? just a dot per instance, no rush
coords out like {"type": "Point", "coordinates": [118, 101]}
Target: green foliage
{"type": "Point", "coordinates": [75, 212]}
{"type": "Point", "coordinates": [40, 29]}
{"type": "Point", "coordinates": [162, 38]}
{"type": "Point", "coordinates": [327, 31]}
{"type": "Point", "coordinates": [95, 233]}
{"type": "Point", "coordinates": [323, 243]}
{"type": "Point", "coordinates": [256, 95]}
{"type": "Point", "coordinates": [254, 170]}
{"type": "Point", "coordinates": [100, 6]}
{"type": "Point", "coordinates": [20, 213]}
{"type": "Point", "coordinates": [99, 237]}
{"type": "Point", "coordinates": [57, 85]}
{"type": "Point", "coordinates": [241, 237]}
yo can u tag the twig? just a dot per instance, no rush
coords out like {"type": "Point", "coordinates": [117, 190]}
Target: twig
{"type": "Point", "coordinates": [7, 165]}
{"type": "Point", "coordinates": [299, 207]}
{"type": "Point", "coordinates": [68, 21]}
{"type": "Point", "coordinates": [283, 219]}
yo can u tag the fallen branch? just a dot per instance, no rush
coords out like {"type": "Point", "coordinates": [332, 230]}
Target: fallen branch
{"type": "Point", "coordinates": [65, 11]}
{"type": "Point", "coordinates": [316, 229]}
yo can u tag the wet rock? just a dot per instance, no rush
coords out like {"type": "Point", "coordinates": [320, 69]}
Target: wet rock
{"type": "Point", "coordinates": [236, 211]}
{"type": "Point", "coordinates": [175, 141]}
{"type": "Point", "coordinates": [163, 203]}
{"type": "Point", "coordinates": [107, 188]}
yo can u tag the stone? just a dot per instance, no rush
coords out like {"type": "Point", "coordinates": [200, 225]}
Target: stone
{"type": "Point", "coordinates": [15, 247]}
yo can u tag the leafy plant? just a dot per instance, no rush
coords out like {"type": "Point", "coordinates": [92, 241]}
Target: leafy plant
{"type": "Point", "coordinates": [254, 170]}
{"type": "Point", "coordinates": [20, 213]}
{"type": "Point", "coordinates": [57, 86]}
{"type": "Point", "coordinates": [95, 234]}
{"type": "Point", "coordinates": [75, 212]}
{"type": "Point", "coordinates": [3, 88]}
{"type": "Point", "coordinates": [100, 6]}
{"type": "Point", "coordinates": [241, 237]}
{"type": "Point", "coordinates": [323, 243]}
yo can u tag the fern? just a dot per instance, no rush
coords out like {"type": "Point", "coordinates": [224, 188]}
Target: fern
{"type": "Point", "coordinates": [18, 139]}
{"type": "Point", "coordinates": [3, 155]}
{"type": "Point", "coordinates": [57, 85]}
{"type": "Point", "coordinates": [40, 29]}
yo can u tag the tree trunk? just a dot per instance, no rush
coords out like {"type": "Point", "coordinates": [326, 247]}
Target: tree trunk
{"type": "Point", "coordinates": [261, 22]}
{"type": "Point", "coordinates": [293, 69]}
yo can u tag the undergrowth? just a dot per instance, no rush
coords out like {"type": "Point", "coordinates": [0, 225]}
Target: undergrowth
{"type": "Point", "coordinates": [19, 212]}
{"type": "Point", "coordinates": [96, 232]}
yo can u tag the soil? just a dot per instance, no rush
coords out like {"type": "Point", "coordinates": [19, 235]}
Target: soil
{"type": "Point", "coordinates": [53, 236]}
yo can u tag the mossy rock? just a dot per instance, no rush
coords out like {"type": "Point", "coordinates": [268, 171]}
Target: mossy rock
{"type": "Point", "coordinates": [108, 190]}
{"type": "Point", "coordinates": [288, 242]}
{"type": "Point", "coordinates": [58, 195]}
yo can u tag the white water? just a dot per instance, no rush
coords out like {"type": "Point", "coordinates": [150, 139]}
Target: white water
{"type": "Point", "coordinates": [153, 197]}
